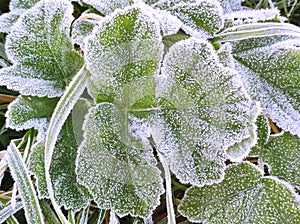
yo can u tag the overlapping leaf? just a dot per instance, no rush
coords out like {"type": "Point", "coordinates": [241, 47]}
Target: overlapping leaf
{"type": "Point", "coordinates": [207, 111]}
{"type": "Point", "coordinates": [107, 7]}
{"type": "Point", "coordinates": [282, 155]}
{"type": "Point", "coordinates": [122, 55]}
{"type": "Point", "coordinates": [243, 197]}
{"type": "Point", "coordinates": [66, 189]}
{"type": "Point", "coordinates": [269, 68]}
{"type": "Point", "coordinates": [41, 51]}
{"type": "Point", "coordinates": [201, 18]}
{"type": "Point", "coordinates": [124, 176]}
{"type": "Point", "coordinates": [31, 112]}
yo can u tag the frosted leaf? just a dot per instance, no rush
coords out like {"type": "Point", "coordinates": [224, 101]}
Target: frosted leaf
{"type": "Point", "coordinates": [240, 150]}
{"type": "Point", "coordinates": [282, 154]}
{"type": "Point", "coordinates": [7, 20]}
{"type": "Point", "coordinates": [225, 55]}
{"type": "Point", "coordinates": [230, 6]}
{"type": "Point", "coordinates": [271, 76]}
{"type": "Point", "coordinates": [245, 196]}
{"type": "Point", "coordinates": [201, 18]}
{"type": "Point", "coordinates": [67, 191]}
{"type": "Point", "coordinates": [17, 8]}
{"type": "Point", "coordinates": [118, 170]}
{"type": "Point", "coordinates": [263, 134]}
{"type": "Point", "coordinates": [169, 24]}
{"type": "Point", "coordinates": [107, 7]}
{"type": "Point", "coordinates": [123, 55]}
{"type": "Point", "coordinates": [30, 112]}
{"type": "Point", "coordinates": [198, 127]}
{"type": "Point", "coordinates": [39, 46]}
{"type": "Point", "coordinates": [82, 28]}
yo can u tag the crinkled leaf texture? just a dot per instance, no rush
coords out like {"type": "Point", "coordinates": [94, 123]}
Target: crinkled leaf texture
{"type": "Point", "coordinates": [123, 55]}
{"type": "Point", "coordinates": [282, 154]}
{"type": "Point", "coordinates": [39, 46]}
{"type": "Point", "coordinates": [200, 18]}
{"type": "Point", "coordinates": [67, 191]}
{"type": "Point", "coordinates": [17, 8]}
{"type": "Point", "coordinates": [30, 112]}
{"type": "Point", "coordinates": [269, 68]}
{"type": "Point", "coordinates": [205, 109]}
{"type": "Point", "coordinates": [245, 196]}
{"type": "Point", "coordinates": [124, 175]}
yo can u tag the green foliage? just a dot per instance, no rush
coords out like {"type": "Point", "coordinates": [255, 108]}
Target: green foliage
{"type": "Point", "coordinates": [188, 84]}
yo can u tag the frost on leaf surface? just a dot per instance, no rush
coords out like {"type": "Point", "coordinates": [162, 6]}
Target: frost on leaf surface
{"type": "Point", "coordinates": [106, 7]}
{"type": "Point", "coordinates": [241, 149]}
{"type": "Point", "coordinates": [204, 111]}
{"type": "Point", "coordinates": [119, 170]}
{"type": "Point", "coordinates": [271, 76]}
{"type": "Point", "coordinates": [200, 18]}
{"type": "Point", "coordinates": [67, 191]}
{"type": "Point", "coordinates": [282, 154]}
{"type": "Point", "coordinates": [244, 196]}
{"type": "Point", "coordinates": [124, 54]}
{"type": "Point", "coordinates": [30, 112]}
{"type": "Point", "coordinates": [230, 6]}
{"type": "Point", "coordinates": [81, 29]}
{"type": "Point", "coordinates": [39, 46]}
{"type": "Point", "coordinates": [17, 8]}
{"type": "Point", "coordinates": [263, 134]}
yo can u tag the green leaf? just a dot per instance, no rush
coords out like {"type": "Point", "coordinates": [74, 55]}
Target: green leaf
{"type": "Point", "coordinates": [200, 18]}
{"type": "Point", "coordinates": [30, 112]}
{"type": "Point", "coordinates": [40, 48]}
{"type": "Point", "coordinates": [67, 191]}
{"type": "Point", "coordinates": [125, 178]}
{"type": "Point", "coordinates": [203, 114]}
{"type": "Point", "coordinates": [17, 8]}
{"type": "Point", "coordinates": [282, 155]}
{"type": "Point", "coordinates": [245, 196]}
{"type": "Point", "coordinates": [83, 27]}
{"type": "Point", "coordinates": [27, 192]}
{"type": "Point", "coordinates": [241, 150]}
{"type": "Point", "coordinates": [107, 7]}
{"type": "Point", "coordinates": [48, 213]}
{"type": "Point", "coordinates": [269, 69]}
{"type": "Point", "coordinates": [123, 55]}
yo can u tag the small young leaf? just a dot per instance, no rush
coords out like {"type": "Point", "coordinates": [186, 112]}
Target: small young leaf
{"type": "Point", "coordinates": [67, 191]}
{"type": "Point", "coordinates": [208, 111]}
{"type": "Point", "coordinates": [123, 55]}
{"type": "Point", "coordinates": [282, 154]}
{"type": "Point", "coordinates": [201, 18]}
{"type": "Point", "coordinates": [271, 76]}
{"type": "Point", "coordinates": [243, 197]}
{"type": "Point", "coordinates": [21, 176]}
{"type": "Point", "coordinates": [39, 46]}
{"type": "Point", "coordinates": [124, 176]}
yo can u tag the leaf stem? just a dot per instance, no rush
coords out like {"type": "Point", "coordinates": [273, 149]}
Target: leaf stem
{"type": "Point", "coordinates": [59, 116]}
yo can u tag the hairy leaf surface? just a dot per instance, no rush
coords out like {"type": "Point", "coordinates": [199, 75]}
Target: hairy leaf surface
{"type": "Point", "coordinates": [245, 196]}
{"type": "Point", "coordinates": [41, 51]}
{"type": "Point", "coordinates": [124, 176]}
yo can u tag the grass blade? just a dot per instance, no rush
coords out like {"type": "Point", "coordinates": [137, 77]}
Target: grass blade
{"type": "Point", "coordinates": [8, 211]}
{"type": "Point", "coordinates": [20, 173]}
